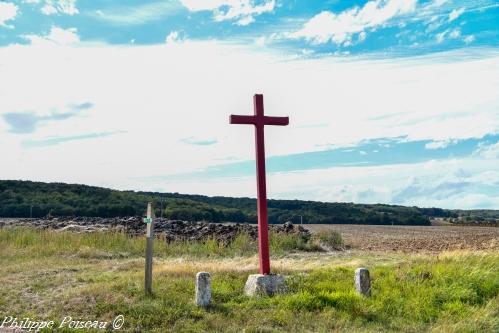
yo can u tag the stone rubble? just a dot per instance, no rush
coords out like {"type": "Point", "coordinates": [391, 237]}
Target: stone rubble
{"type": "Point", "coordinates": [170, 230]}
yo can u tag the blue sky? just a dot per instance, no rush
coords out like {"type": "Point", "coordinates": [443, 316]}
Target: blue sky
{"type": "Point", "coordinates": [317, 27]}
{"type": "Point", "coordinates": [391, 101]}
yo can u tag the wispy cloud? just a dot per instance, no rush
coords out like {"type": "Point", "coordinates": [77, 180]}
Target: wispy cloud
{"type": "Point", "coordinates": [137, 15]}
{"type": "Point", "coordinates": [242, 12]}
{"type": "Point", "coordinates": [82, 106]}
{"type": "Point", "coordinates": [440, 144]}
{"type": "Point", "coordinates": [199, 141]}
{"type": "Point", "coordinates": [451, 183]}
{"type": "Point", "coordinates": [340, 28]}
{"type": "Point", "coordinates": [51, 141]}
{"type": "Point", "coordinates": [175, 37]}
{"type": "Point", "coordinates": [488, 150]}
{"type": "Point", "coordinates": [383, 151]}
{"type": "Point", "coordinates": [28, 122]}
{"type": "Point", "coordinates": [456, 13]}
{"type": "Point", "coordinates": [60, 6]}
{"type": "Point", "coordinates": [51, 7]}
{"type": "Point", "coordinates": [409, 27]}
{"type": "Point", "coordinates": [451, 34]}
{"type": "Point", "coordinates": [469, 39]}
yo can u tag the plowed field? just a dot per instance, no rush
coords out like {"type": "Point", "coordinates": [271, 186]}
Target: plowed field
{"type": "Point", "coordinates": [415, 238]}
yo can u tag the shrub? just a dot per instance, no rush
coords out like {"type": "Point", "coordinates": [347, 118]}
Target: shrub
{"type": "Point", "coordinates": [329, 239]}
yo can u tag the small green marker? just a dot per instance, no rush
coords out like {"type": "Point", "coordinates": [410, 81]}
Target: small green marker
{"type": "Point", "coordinates": [147, 220]}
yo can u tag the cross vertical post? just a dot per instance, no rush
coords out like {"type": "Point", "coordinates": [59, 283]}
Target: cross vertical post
{"type": "Point", "coordinates": [259, 120]}
{"type": "Point", "coordinates": [149, 220]}
{"type": "Point", "coordinates": [263, 229]}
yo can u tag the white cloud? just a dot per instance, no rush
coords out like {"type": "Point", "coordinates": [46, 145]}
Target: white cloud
{"type": "Point", "coordinates": [456, 33]}
{"type": "Point", "coordinates": [469, 39]}
{"type": "Point", "coordinates": [433, 23]}
{"type": "Point", "coordinates": [51, 7]}
{"type": "Point", "coordinates": [437, 3]}
{"type": "Point", "coordinates": [440, 37]}
{"type": "Point", "coordinates": [49, 10]}
{"type": "Point", "coordinates": [245, 20]}
{"type": "Point", "coordinates": [440, 144]}
{"type": "Point", "coordinates": [138, 14]}
{"type": "Point", "coordinates": [456, 183]}
{"type": "Point", "coordinates": [490, 151]}
{"type": "Point", "coordinates": [173, 37]}
{"type": "Point", "coordinates": [362, 36]}
{"type": "Point", "coordinates": [340, 28]}
{"type": "Point", "coordinates": [155, 96]}
{"type": "Point", "coordinates": [57, 36]}
{"type": "Point", "coordinates": [261, 41]}
{"type": "Point", "coordinates": [456, 13]}
{"type": "Point", "coordinates": [451, 34]}
{"type": "Point", "coordinates": [240, 11]}
{"type": "Point", "coordinates": [8, 11]}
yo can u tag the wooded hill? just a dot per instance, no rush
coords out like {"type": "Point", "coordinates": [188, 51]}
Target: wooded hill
{"type": "Point", "coordinates": [38, 199]}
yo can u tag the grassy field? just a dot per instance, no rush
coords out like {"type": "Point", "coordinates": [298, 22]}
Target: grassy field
{"type": "Point", "coordinates": [48, 276]}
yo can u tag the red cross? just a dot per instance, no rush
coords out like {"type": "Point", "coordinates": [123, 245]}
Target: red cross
{"type": "Point", "coordinates": [259, 120]}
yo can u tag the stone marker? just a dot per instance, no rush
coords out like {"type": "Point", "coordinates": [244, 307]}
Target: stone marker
{"type": "Point", "coordinates": [265, 284]}
{"type": "Point", "coordinates": [203, 289]}
{"type": "Point", "coordinates": [363, 281]}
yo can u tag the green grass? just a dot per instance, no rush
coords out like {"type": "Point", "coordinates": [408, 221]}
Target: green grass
{"type": "Point", "coordinates": [47, 275]}
{"type": "Point", "coordinates": [29, 243]}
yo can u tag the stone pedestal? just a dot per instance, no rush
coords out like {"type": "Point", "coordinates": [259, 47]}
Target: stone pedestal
{"type": "Point", "coordinates": [262, 285]}
{"type": "Point", "coordinates": [363, 281]}
{"type": "Point", "coordinates": [203, 289]}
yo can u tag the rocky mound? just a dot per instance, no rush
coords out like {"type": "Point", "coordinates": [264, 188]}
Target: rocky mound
{"type": "Point", "coordinates": [170, 230]}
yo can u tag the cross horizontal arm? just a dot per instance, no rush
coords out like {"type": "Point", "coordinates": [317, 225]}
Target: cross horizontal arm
{"type": "Point", "coordinates": [236, 119]}
{"type": "Point", "coordinates": [278, 121]}
{"type": "Point", "coordinates": [253, 120]}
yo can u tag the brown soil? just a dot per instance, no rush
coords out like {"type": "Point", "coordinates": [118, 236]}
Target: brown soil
{"type": "Point", "coordinates": [414, 238]}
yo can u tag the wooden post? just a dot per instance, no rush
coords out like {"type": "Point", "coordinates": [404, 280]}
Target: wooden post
{"type": "Point", "coordinates": [149, 220]}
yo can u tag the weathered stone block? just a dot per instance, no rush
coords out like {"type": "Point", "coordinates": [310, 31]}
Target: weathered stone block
{"type": "Point", "coordinates": [203, 289]}
{"type": "Point", "coordinates": [363, 281]}
{"type": "Point", "coordinates": [261, 285]}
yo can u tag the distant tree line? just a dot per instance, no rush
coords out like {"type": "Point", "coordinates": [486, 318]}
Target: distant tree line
{"type": "Point", "coordinates": [37, 199]}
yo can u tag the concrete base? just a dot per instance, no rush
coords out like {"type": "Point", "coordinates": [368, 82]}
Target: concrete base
{"type": "Point", "coordinates": [262, 285]}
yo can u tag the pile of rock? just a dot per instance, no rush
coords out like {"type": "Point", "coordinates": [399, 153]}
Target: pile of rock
{"type": "Point", "coordinates": [170, 230]}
